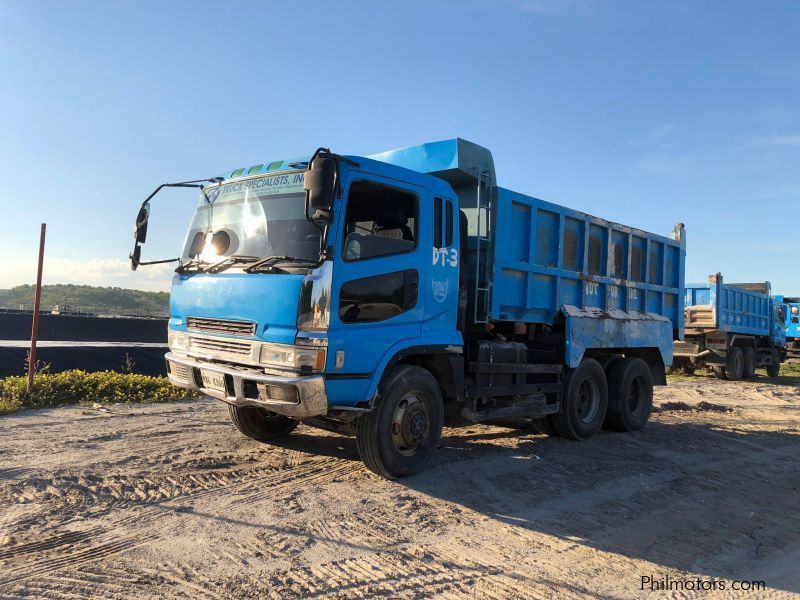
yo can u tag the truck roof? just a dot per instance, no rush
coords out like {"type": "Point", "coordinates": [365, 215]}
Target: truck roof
{"type": "Point", "coordinates": [457, 161]}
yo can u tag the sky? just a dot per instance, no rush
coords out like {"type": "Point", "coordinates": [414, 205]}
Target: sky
{"type": "Point", "coordinates": [645, 113]}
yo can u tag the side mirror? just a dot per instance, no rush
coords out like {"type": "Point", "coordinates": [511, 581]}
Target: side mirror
{"type": "Point", "coordinates": [140, 229]}
{"type": "Point", "coordinates": [318, 183]}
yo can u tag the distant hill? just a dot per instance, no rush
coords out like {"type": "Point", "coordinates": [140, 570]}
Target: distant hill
{"type": "Point", "coordinates": [88, 298]}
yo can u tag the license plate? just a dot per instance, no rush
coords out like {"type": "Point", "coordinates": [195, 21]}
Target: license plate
{"type": "Point", "coordinates": [213, 381]}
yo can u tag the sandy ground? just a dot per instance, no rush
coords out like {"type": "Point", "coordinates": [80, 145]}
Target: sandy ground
{"type": "Point", "coordinates": [171, 501]}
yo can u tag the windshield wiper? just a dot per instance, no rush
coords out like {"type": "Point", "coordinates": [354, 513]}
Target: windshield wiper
{"type": "Point", "coordinates": [193, 266]}
{"type": "Point", "coordinates": [270, 261]}
{"type": "Point", "coordinates": [229, 262]}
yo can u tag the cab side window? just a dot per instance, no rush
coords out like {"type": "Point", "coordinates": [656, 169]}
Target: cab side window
{"type": "Point", "coordinates": [381, 220]}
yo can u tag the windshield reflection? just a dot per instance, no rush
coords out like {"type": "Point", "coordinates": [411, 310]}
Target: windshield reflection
{"type": "Point", "coordinates": [259, 217]}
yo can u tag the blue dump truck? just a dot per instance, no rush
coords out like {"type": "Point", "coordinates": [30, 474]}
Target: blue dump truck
{"type": "Point", "coordinates": [792, 319]}
{"type": "Point", "coordinates": [731, 329]}
{"type": "Point", "coordinates": [387, 296]}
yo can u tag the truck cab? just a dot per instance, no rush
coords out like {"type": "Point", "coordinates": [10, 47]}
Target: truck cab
{"type": "Point", "coordinates": [791, 309]}
{"type": "Point", "coordinates": [380, 296]}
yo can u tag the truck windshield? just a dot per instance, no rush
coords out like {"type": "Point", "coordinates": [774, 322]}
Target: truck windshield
{"type": "Point", "coordinates": [256, 218]}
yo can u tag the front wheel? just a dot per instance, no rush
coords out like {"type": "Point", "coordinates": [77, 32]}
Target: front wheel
{"type": "Point", "coordinates": [774, 367]}
{"type": "Point", "coordinates": [259, 423]}
{"type": "Point", "coordinates": [584, 402]}
{"type": "Point", "coordinates": [402, 432]}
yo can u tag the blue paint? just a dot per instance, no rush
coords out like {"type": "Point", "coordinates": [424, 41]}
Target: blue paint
{"type": "Point", "coordinates": [270, 300]}
{"type": "Point", "coordinates": [550, 261]}
{"type": "Point", "coordinates": [792, 319]}
{"type": "Point", "coordinates": [736, 309]}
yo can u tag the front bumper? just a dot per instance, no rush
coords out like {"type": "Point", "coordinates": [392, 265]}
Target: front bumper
{"type": "Point", "coordinates": [300, 396]}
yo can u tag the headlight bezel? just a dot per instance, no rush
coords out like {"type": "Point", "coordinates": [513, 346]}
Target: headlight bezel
{"type": "Point", "coordinates": [178, 341]}
{"type": "Point", "coordinates": [298, 358]}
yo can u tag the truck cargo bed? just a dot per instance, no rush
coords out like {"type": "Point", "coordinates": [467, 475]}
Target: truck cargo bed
{"type": "Point", "coordinates": [547, 257]}
{"type": "Point", "coordinates": [733, 308]}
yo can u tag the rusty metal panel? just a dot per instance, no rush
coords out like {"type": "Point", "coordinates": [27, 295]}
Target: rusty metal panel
{"type": "Point", "coordinates": [547, 257]}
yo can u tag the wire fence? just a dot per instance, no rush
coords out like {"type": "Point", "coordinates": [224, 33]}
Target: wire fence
{"type": "Point", "coordinates": [80, 310]}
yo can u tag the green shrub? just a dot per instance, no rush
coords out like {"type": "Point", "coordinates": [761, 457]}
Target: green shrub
{"type": "Point", "coordinates": [80, 387]}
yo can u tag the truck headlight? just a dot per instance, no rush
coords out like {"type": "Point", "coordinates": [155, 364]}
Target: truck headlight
{"type": "Point", "coordinates": [177, 341]}
{"type": "Point", "coordinates": [292, 357]}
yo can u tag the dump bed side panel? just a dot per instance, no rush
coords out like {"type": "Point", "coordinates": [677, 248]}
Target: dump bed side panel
{"type": "Point", "coordinates": [734, 309]}
{"type": "Point", "coordinates": [548, 256]}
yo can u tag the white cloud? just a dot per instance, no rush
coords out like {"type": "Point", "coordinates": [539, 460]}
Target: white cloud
{"type": "Point", "coordinates": [93, 271]}
{"type": "Point", "coordinates": [554, 8]}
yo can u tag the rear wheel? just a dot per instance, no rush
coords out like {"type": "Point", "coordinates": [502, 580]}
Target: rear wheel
{"type": "Point", "coordinates": [630, 395]}
{"type": "Point", "coordinates": [585, 400]}
{"type": "Point", "coordinates": [544, 425]}
{"type": "Point", "coordinates": [259, 423]}
{"type": "Point", "coordinates": [774, 368]}
{"type": "Point", "coordinates": [749, 370]}
{"type": "Point", "coordinates": [403, 430]}
{"type": "Point", "coordinates": [734, 365]}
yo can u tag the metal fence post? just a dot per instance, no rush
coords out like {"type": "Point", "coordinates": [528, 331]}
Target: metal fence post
{"type": "Point", "coordinates": [37, 300]}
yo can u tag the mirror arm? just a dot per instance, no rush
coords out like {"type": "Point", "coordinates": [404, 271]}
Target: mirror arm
{"type": "Point", "coordinates": [194, 183]}
{"type": "Point", "coordinates": [158, 262]}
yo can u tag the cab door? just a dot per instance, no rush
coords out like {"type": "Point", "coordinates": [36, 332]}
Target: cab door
{"type": "Point", "coordinates": [380, 267]}
{"type": "Point", "coordinates": [442, 289]}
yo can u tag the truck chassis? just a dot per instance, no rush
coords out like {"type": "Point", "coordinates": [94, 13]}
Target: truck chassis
{"type": "Point", "coordinates": [729, 356]}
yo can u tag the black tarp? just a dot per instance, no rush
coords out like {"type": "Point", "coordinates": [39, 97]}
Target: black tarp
{"type": "Point", "coordinates": [146, 360]}
{"type": "Point", "coordinates": [143, 341]}
{"type": "Point", "coordinates": [17, 326]}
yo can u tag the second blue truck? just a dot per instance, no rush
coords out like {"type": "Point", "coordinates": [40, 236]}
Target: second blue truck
{"type": "Point", "coordinates": [388, 296]}
{"type": "Point", "coordinates": [732, 329]}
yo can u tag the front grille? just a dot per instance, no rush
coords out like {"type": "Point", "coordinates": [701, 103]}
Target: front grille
{"type": "Point", "coordinates": [243, 328]}
{"type": "Point", "coordinates": [220, 345]}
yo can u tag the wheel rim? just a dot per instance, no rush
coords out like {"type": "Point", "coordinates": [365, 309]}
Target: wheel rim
{"type": "Point", "coordinates": [410, 424]}
{"type": "Point", "coordinates": [635, 395]}
{"type": "Point", "coordinates": [588, 401]}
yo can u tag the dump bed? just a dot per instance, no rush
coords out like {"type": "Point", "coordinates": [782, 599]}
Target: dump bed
{"type": "Point", "coordinates": [734, 308]}
{"type": "Point", "coordinates": [549, 258]}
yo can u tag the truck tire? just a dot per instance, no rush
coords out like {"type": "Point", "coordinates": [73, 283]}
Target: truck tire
{"type": "Point", "coordinates": [584, 403]}
{"type": "Point", "coordinates": [630, 395]}
{"type": "Point", "coordinates": [261, 424]}
{"type": "Point", "coordinates": [399, 436]}
{"type": "Point", "coordinates": [749, 371]}
{"type": "Point", "coordinates": [734, 364]}
{"type": "Point", "coordinates": [774, 367]}
{"type": "Point", "coordinates": [544, 425]}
